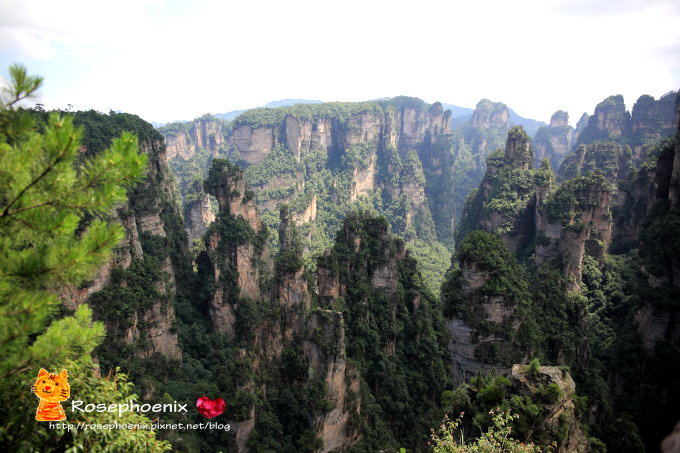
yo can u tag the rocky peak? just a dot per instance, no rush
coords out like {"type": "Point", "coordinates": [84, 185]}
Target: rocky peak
{"type": "Point", "coordinates": [611, 159]}
{"type": "Point", "coordinates": [236, 249]}
{"type": "Point", "coordinates": [559, 119]}
{"type": "Point", "coordinates": [518, 149]}
{"type": "Point", "coordinates": [286, 229]}
{"type": "Point", "coordinates": [490, 114]}
{"type": "Point", "coordinates": [575, 218]}
{"type": "Point", "coordinates": [611, 116]}
{"type": "Point", "coordinates": [581, 125]}
{"type": "Point", "coordinates": [480, 302]}
{"type": "Point", "coordinates": [226, 183]}
{"type": "Point", "coordinates": [555, 141]}
{"type": "Point", "coordinates": [502, 202]}
{"type": "Point", "coordinates": [148, 218]}
{"type": "Point", "coordinates": [610, 121]}
{"type": "Point", "coordinates": [555, 388]}
{"type": "Point", "coordinates": [653, 118]}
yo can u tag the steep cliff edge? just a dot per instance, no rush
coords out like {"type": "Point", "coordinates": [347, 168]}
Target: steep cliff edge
{"type": "Point", "coordinates": [135, 292]}
{"type": "Point", "coordinates": [183, 140]}
{"type": "Point", "coordinates": [323, 160]}
{"type": "Point", "coordinates": [198, 215]}
{"type": "Point", "coordinates": [390, 320]}
{"type": "Point", "coordinates": [611, 159]}
{"type": "Point", "coordinates": [307, 341]}
{"type": "Point", "coordinates": [236, 246]}
{"type": "Point", "coordinates": [290, 153]}
{"type": "Point", "coordinates": [534, 215]}
{"type": "Point", "coordinates": [486, 301]}
{"type": "Point", "coordinates": [576, 219]}
{"type": "Point", "coordinates": [556, 391]}
{"type": "Point", "coordinates": [650, 120]}
{"type": "Point", "coordinates": [502, 203]}
{"type": "Point", "coordinates": [602, 255]}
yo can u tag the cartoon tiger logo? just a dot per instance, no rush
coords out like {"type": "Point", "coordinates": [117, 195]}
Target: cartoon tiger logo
{"type": "Point", "coordinates": [51, 389]}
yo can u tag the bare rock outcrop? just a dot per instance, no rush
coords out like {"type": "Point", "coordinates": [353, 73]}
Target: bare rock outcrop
{"type": "Point", "coordinates": [325, 353]}
{"type": "Point", "coordinates": [556, 388]}
{"type": "Point", "coordinates": [576, 217]}
{"type": "Point", "coordinates": [554, 141]}
{"type": "Point", "coordinates": [184, 140]}
{"type": "Point", "coordinates": [198, 215]}
{"type": "Point", "coordinates": [236, 249]}
{"type": "Point", "coordinates": [141, 216]}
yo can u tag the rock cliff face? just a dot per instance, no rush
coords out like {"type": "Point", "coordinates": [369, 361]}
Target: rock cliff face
{"type": "Point", "coordinates": [403, 128]}
{"type": "Point", "coordinates": [464, 340]}
{"type": "Point", "coordinates": [361, 146]}
{"type": "Point", "coordinates": [611, 159]}
{"type": "Point", "coordinates": [645, 221]}
{"type": "Point", "coordinates": [335, 388]}
{"type": "Point", "coordinates": [368, 278]}
{"type": "Point", "coordinates": [651, 119]}
{"type": "Point", "coordinates": [493, 210]}
{"type": "Point", "coordinates": [482, 300]}
{"type": "Point", "coordinates": [575, 220]}
{"type": "Point", "coordinates": [580, 126]}
{"type": "Point", "coordinates": [555, 141]}
{"type": "Point", "coordinates": [184, 140]}
{"type": "Point", "coordinates": [490, 114]}
{"type": "Point", "coordinates": [367, 148]}
{"type": "Point", "coordinates": [241, 269]}
{"type": "Point", "coordinates": [235, 246]}
{"type": "Point", "coordinates": [489, 123]}
{"type": "Point", "coordinates": [197, 216]}
{"type": "Point", "coordinates": [611, 117]}
{"type": "Point", "coordinates": [326, 355]}
{"type": "Point", "coordinates": [149, 215]}
{"type": "Point", "coordinates": [523, 205]}
{"type": "Point", "coordinates": [610, 121]}
{"type": "Point", "coordinates": [561, 423]}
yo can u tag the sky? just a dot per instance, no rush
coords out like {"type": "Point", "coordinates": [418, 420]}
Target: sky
{"type": "Point", "coordinates": [174, 60]}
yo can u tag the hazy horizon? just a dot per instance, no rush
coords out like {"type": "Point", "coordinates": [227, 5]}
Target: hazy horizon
{"type": "Point", "coordinates": [168, 61]}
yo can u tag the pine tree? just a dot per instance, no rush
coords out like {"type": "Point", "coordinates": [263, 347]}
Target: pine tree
{"type": "Point", "coordinates": [55, 229]}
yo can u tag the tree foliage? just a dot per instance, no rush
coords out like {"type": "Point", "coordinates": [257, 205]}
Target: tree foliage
{"type": "Point", "coordinates": [55, 204]}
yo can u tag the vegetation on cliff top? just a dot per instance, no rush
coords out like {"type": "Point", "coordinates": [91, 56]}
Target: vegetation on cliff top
{"type": "Point", "coordinates": [273, 117]}
{"type": "Point", "coordinates": [397, 341]}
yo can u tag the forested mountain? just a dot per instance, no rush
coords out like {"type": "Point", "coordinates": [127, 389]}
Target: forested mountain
{"type": "Point", "coordinates": [553, 278]}
{"type": "Point", "coordinates": [282, 103]}
{"type": "Point", "coordinates": [397, 157]}
{"type": "Point", "coordinates": [593, 287]}
{"type": "Point", "coordinates": [345, 274]}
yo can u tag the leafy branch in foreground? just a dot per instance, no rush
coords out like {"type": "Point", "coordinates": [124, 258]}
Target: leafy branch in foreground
{"type": "Point", "coordinates": [496, 439]}
{"type": "Point", "coordinates": [20, 86]}
{"type": "Point", "coordinates": [55, 230]}
{"type": "Point", "coordinates": [47, 196]}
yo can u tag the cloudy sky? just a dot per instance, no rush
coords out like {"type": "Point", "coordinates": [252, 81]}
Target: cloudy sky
{"type": "Point", "coordinates": [170, 60]}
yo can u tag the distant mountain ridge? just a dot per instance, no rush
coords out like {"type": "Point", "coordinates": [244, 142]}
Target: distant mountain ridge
{"type": "Point", "coordinates": [457, 111]}
{"type": "Point", "coordinates": [273, 104]}
{"type": "Point", "coordinates": [459, 115]}
{"type": "Point", "coordinates": [531, 126]}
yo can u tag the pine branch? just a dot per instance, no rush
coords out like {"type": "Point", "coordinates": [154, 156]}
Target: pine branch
{"type": "Point", "coordinates": [5, 211]}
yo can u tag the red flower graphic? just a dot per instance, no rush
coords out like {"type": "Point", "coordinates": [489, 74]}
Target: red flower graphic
{"type": "Point", "coordinates": [210, 408]}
